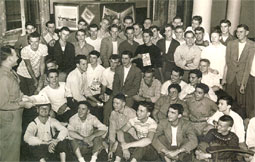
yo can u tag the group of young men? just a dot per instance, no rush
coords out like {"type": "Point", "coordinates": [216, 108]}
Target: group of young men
{"type": "Point", "coordinates": [137, 92]}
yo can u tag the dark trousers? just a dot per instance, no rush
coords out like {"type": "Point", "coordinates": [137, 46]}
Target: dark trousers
{"type": "Point", "coordinates": [250, 97]}
{"type": "Point", "coordinates": [233, 90]}
{"type": "Point", "coordinates": [27, 86]}
{"type": "Point", "coordinates": [66, 116]}
{"type": "Point", "coordinates": [41, 151]}
{"type": "Point", "coordinates": [84, 147]}
{"type": "Point", "coordinates": [147, 153]}
{"type": "Point", "coordinates": [187, 157]}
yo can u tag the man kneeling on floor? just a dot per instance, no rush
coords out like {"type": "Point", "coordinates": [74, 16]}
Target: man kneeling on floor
{"type": "Point", "coordinates": [87, 132]}
{"type": "Point", "coordinates": [138, 148]}
{"type": "Point", "coordinates": [40, 135]}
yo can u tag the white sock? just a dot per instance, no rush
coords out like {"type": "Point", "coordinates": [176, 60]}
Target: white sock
{"type": "Point", "coordinates": [81, 159]}
{"type": "Point", "coordinates": [93, 159]}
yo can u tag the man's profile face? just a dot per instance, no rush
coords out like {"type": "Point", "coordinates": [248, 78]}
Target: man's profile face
{"type": "Point", "coordinates": [223, 127]}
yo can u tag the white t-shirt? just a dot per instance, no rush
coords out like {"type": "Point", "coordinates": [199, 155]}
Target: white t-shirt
{"type": "Point", "coordinates": [94, 78]}
{"type": "Point", "coordinates": [240, 49]}
{"type": "Point", "coordinates": [115, 47]}
{"type": "Point", "coordinates": [167, 45]}
{"type": "Point", "coordinates": [174, 136]}
{"type": "Point", "coordinates": [107, 79]}
{"type": "Point", "coordinates": [95, 43]}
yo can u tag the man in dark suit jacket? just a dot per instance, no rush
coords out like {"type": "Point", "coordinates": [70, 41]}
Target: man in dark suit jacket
{"type": "Point", "coordinates": [63, 52]}
{"type": "Point", "coordinates": [238, 55]}
{"type": "Point", "coordinates": [127, 79]}
{"type": "Point", "coordinates": [167, 47]}
{"type": "Point", "coordinates": [175, 138]}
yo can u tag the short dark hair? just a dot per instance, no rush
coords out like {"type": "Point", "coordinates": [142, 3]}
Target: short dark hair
{"type": "Point", "coordinates": [227, 118]}
{"type": "Point", "coordinates": [84, 103]}
{"type": "Point", "coordinates": [179, 27]}
{"type": "Point", "coordinates": [175, 86]}
{"type": "Point", "coordinates": [147, 105]}
{"type": "Point", "coordinates": [120, 96]}
{"type": "Point", "coordinates": [197, 18]}
{"type": "Point", "coordinates": [52, 71]}
{"type": "Point", "coordinates": [178, 70]}
{"type": "Point", "coordinates": [226, 21]}
{"type": "Point", "coordinates": [80, 57]}
{"type": "Point", "coordinates": [162, 32]}
{"type": "Point", "coordinates": [33, 35]}
{"type": "Point", "coordinates": [205, 60]}
{"type": "Point", "coordinates": [197, 72]}
{"type": "Point", "coordinates": [150, 70]}
{"type": "Point", "coordinates": [216, 30]}
{"type": "Point", "coordinates": [5, 52]}
{"type": "Point", "coordinates": [139, 25]}
{"type": "Point", "coordinates": [200, 29]}
{"type": "Point", "coordinates": [80, 30]}
{"type": "Point", "coordinates": [49, 22]}
{"type": "Point", "coordinates": [129, 28]}
{"type": "Point", "coordinates": [154, 27]}
{"type": "Point", "coordinates": [148, 31]}
{"type": "Point", "coordinates": [114, 57]}
{"type": "Point", "coordinates": [129, 53]}
{"type": "Point", "coordinates": [177, 107]}
{"type": "Point", "coordinates": [227, 98]}
{"type": "Point", "coordinates": [94, 52]}
{"type": "Point", "coordinates": [65, 28]}
{"type": "Point", "coordinates": [128, 17]}
{"type": "Point", "coordinates": [243, 26]}
{"type": "Point", "coordinates": [114, 26]}
{"type": "Point", "coordinates": [203, 86]}
{"type": "Point", "coordinates": [93, 26]}
{"type": "Point", "coordinates": [29, 23]}
{"type": "Point", "coordinates": [189, 32]}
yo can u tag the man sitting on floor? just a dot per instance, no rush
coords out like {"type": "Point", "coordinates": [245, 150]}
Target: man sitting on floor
{"type": "Point", "coordinates": [87, 132]}
{"type": "Point", "coordinates": [175, 137]}
{"type": "Point", "coordinates": [145, 128]}
{"type": "Point", "coordinates": [40, 136]}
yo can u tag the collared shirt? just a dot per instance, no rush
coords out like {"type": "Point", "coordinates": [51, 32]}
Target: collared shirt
{"type": "Point", "coordinates": [238, 126]}
{"type": "Point", "coordinates": [163, 104]}
{"type": "Point", "coordinates": [35, 57]}
{"type": "Point", "coordinates": [250, 138]}
{"type": "Point", "coordinates": [126, 46]}
{"type": "Point", "coordinates": [118, 120]}
{"type": "Point", "coordinates": [189, 89]}
{"type": "Point", "coordinates": [84, 50]}
{"type": "Point", "coordinates": [77, 86]}
{"type": "Point", "coordinates": [197, 110]}
{"type": "Point", "coordinates": [107, 78]}
{"type": "Point", "coordinates": [10, 93]}
{"type": "Point", "coordinates": [94, 78]}
{"type": "Point", "coordinates": [211, 79]}
{"type": "Point", "coordinates": [38, 132]}
{"type": "Point", "coordinates": [152, 92]}
{"type": "Point", "coordinates": [184, 53]}
{"type": "Point", "coordinates": [87, 127]}
{"type": "Point", "coordinates": [95, 43]}
{"type": "Point", "coordinates": [139, 41]}
{"type": "Point", "coordinates": [164, 88]}
{"type": "Point", "coordinates": [142, 129]}
{"type": "Point", "coordinates": [216, 54]}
